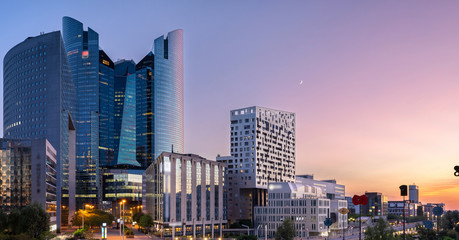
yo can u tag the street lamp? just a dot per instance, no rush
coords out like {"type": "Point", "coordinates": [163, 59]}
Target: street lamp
{"type": "Point", "coordinates": [248, 229]}
{"type": "Point", "coordinates": [122, 219]}
{"type": "Point", "coordinates": [83, 212]}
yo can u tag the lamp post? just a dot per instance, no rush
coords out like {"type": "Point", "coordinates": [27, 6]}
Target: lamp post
{"type": "Point", "coordinates": [122, 219]}
{"type": "Point", "coordinates": [248, 229]}
{"type": "Point", "coordinates": [82, 216]}
{"type": "Point", "coordinates": [83, 212]}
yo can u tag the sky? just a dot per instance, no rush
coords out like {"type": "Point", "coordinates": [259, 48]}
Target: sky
{"type": "Point", "coordinates": [374, 84]}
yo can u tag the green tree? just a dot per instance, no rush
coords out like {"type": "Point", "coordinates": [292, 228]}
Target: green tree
{"type": "Point", "coordinates": [146, 221]}
{"type": "Point", "coordinates": [426, 234]}
{"type": "Point", "coordinates": [382, 230]}
{"type": "Point", "coordinates": [92, 218]}
{"type": "Point", "coordinates": [34, 220]}
{"type": "Point", "coordinates": [449, 220]}
{"type": "Point", "coordinates": [286, 231]}
{"type": "Point", "coordinates": [14, 219]}
{"type": "Point", "coordinates": [3, 221]}
{"type": "Point", "coordinates": [136, 217]}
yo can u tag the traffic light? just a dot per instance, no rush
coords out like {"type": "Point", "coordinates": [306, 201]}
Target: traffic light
{"type": "Point", "coordinates": [403, 190]}
{"type": "Point", "coordinates": [456, 169]}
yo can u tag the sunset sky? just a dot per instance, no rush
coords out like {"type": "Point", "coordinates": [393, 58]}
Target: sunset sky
{"type": "Point", "coordinates": [378, 106]}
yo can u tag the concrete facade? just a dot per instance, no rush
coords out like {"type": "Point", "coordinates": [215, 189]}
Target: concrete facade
{"type": "Point", "coordinates": [262, 151]}
{"type": "Point", "coordinates": [28, 175]}
{"type": "Point", "coordinates": [306, 205]}
{"type": "Point", "coordinates": [186, 196]}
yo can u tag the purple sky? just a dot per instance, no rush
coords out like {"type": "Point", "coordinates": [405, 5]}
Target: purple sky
{"type": "Point", "coordinates": [378, 106]}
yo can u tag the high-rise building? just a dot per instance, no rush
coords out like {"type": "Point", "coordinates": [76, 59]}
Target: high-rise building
{"type": "Point", "coordinates": [262, 151]}
{"type": "Point", "coordinates": [168, 93]}
{"type": "Point", "coordinates": [144, 110]}
{"type": "Point", "coordinates": [106, 117]}
{"type": "Point", "coordinates": [159, 97]}
{"type": "Point", "coordinates": [82, 49]}
{"type": "Point", "coordinates": [28, 175]}
{"type": "Point", "coordinates": [185, 195]}
{"type": "Point", "coordinates": [125, 114]}
{"type": "Point", "coordinates": [414, 193]}
{"type": "Point", "coordinates": [38, 102]}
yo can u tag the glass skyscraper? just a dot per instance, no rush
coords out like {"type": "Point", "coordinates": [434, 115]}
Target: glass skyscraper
{"type": "Point", "coordinates": [82, 49]}
{"type": "Point", "coordinates": [168, 93]}
{"type": "Point", "coordinates": [160, 99]}
{"type": "Point", "coordinates": [38, 102]}
{"type": "Point", "coordinates": [125, 114]}
{"type": "Point", "coordinates": [106, 117]}
{"type": "Point", "coordinates": [144, 110]}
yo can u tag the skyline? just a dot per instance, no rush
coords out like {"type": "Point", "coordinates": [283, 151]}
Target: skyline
{"type": "Point", "coordinates": [368, 82]}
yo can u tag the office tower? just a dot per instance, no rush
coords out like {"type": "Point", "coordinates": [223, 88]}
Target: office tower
{"type": "Point", "coordinates": [125, 113]}
{"type": "Point", "coordinates": [144, 110]}
{"type": "Point", "coordinates": [160, 99]}
{"type": "Point", "coordinates": [413, 193]}
{"type": "Point", "coordinates": [262, 151]}
{"type": "Point", "coordinates": [91, 70]}
{"type": "Point", "coordinates": [168, 93]}
{"type": "Point", "coordinates": [307, 205]}
{"type": "Point", "coordinates": [377, 204]}
{"type": "Point", "coordinates": [106, 118]}
{"type": "Point", "coordinates": [28, 175]}
{"type": "Point", "coordinates": [38, 102]}
{"type": "Point", "coordinates": [185, 195]}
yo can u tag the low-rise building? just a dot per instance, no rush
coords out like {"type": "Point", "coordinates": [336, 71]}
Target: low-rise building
{"type": "Point", "coordinates": [306, 205]}
{"type": "Point", "coordinates": [28, 175]}
{"type": "Point", "coordinates": [428, 209]}
{"type": "Point", "coordinates": [397, 208]}
{"type": "Point", "coordinates": [185, 194]}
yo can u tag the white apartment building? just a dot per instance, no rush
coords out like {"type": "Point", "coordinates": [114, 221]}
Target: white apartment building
{"type": "Point", "coordinates": [262, 151]}
{"type": "Point", "coordinates": [306, 205]}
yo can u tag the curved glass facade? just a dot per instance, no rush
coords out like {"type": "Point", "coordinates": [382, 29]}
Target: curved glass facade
{"type": "Point", "coordinates": [168, 93]}
{"type": "Point", "coordinates": [39, 99]}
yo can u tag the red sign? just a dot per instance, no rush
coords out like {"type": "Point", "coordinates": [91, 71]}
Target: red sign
{"type": "Point", "coordinates": [360, 200]}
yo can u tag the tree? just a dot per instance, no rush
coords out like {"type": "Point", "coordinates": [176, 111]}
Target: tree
{"type": "Point", "coordinates": [146, 221]}
{"type": "Point", "coordinates": [3, 221]}
{"type": "Point", "coordinates": [34, 220]}
{"type": "Point", "coordinates": [286, 231]}
{"type": "Point", "coordinates": [424, 233]}
{"type": "Point", "coordinates": [382, 230]}
{"type": "Point", "coordinates": [449, 220]}
{"type": "Point", "coordinates": [92, 218]}
{"type": "Point", "coordinates": [136, 217]}
{"type": "Point", "coordinates": [14, 219]}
